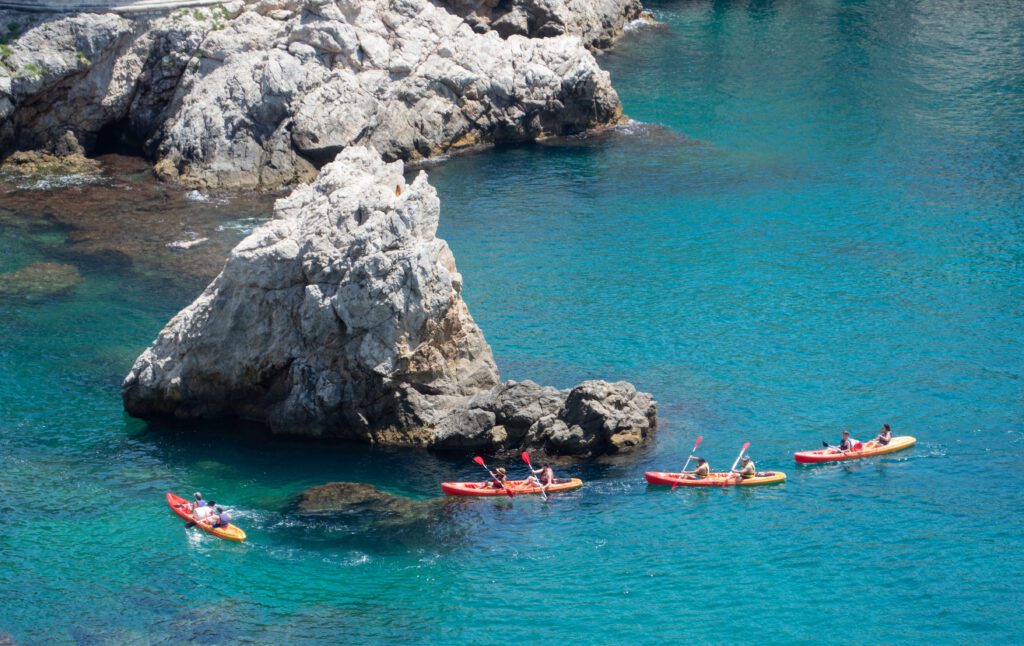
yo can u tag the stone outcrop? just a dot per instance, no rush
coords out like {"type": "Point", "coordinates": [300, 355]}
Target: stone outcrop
{"type": "Point", "coordinates": [597, 22]}
{"type": "Point", "coordinates": [262, 94]}
{"type": "Point", "coordinates": [343, 318]}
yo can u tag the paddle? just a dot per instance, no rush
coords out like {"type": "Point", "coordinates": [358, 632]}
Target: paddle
{"type": "Point", "coordinates": [696, 444]}
{"type": "Point", "coordinates": [526, 459]}
{"type": "Point", "coordinates": [479, 460]}
{"type": "Point", "coordinates": [739, 457]}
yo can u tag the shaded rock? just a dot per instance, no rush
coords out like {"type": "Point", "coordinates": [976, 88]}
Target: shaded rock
{"type": "Point", "coordinates": [39, 279]}
{"type": "Point", "coordinates": [597, 22]}
{"type": "Point", "coordinates": [343, 318]}
{"type": "Point", "coordinates": [614, 414]}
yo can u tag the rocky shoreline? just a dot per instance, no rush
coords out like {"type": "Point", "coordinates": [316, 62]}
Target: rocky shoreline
{"type": "Point", "coordinates": [342, 318]}
{"type": "Point", "coordinates": [261, 94]}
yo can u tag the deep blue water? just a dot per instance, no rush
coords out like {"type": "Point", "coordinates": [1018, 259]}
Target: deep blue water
{"type": "Point", "coordinates": [815, 222]}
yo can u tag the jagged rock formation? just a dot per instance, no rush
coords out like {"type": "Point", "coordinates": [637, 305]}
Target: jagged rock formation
{"type": "Point", "coordinates": [261, 94]}
{"type": "Point", "coordinates": [343, 318]}
{"type": "Point", "coordinates": [597, 22]}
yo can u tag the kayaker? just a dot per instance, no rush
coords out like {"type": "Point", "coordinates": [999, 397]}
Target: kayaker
{"type": "Point", "coordinates": [547, 476]}
{"type": "Point", "coordinates": [701, 472]}
{"type": "Point", "coordinates": [847, 443]}
{"type": "Point", "coordinates": [501, 480]}
{"type": "Point", "coordinates": [885, 436]}
{"type": "Point", "coordinates": [197, 502]}
{"type": "Point", "coordinates": [202, 514]}
{"type": "Point", "coordinates": [222, 518]}
{"type": "Point", "coordinates": [748, 470]}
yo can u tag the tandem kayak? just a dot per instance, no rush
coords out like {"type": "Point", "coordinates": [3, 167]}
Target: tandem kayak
{"type": "Point", "coordinates": [180, 506]}
{"type": "Point", "coordinates": [870, 449]}
{"type": "Point", "coordinates": [515, 486]}
{"type": "Point", "coordinates": [719, 479]}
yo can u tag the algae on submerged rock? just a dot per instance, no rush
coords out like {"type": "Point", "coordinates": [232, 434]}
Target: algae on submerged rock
{"type": "Point", "coordinates": [40, 279]}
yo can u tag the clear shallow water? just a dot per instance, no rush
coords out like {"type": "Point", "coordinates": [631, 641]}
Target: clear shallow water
{"type": "Point", "coordinates": [819, 226]}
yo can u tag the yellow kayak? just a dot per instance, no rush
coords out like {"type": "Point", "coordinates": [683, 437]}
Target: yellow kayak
{"type": "Point", "coordinates": [180, 507]}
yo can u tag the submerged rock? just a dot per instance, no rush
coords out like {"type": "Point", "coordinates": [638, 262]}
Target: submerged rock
{"type": "Point", "coordinates": [263, 93]}
{"type": "Point", "coordinates": [343, 318]}
{"type": "Point", "coordinates": [40, 279]}
{"type": "Point", "coordinates": [359, 498]}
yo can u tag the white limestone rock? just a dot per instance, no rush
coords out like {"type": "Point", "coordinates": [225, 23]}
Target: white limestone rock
{"type": "Point", "coordinates": [271, 94]}
{"type": "Point", "coordinates": [335, 319]}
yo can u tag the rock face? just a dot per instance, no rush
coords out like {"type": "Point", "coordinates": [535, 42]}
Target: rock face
{"type": "Point", "coordinates": [262, 94]}
{"type": "Point", "coordinates": [597, 22]}
{"type": "Point", "coordinates": [343, 318]}
{"type": "Point", "coordinates": [336, 318]}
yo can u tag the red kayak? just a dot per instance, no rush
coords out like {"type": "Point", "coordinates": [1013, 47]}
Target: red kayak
{"type": "Point", "coordinates": [486, 489]}
{"type": "Point", "coordinates": [868, 450]}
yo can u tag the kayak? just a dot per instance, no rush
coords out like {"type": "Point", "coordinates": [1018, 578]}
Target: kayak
{"type": "Point", "coordinates": [870, 449]}
{"type": "Point", "coordinates": [515, 486]}
{"type": "Point", "coordinates": [180, 507]}
{"type": "Point", "coordinates": [718, 479]}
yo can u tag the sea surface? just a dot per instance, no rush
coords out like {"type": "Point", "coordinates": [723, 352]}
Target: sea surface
{"type": "Point", "coordinates": [815, 221]}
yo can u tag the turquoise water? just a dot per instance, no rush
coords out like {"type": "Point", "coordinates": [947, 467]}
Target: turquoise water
{"type": "Point", "coordinates": [815, 223]}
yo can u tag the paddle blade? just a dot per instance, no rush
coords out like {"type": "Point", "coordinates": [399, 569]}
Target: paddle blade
{"type": "Point", "coordinates": [746, 446]}
{"type": "Point", "coordinates": [526, 457]}
{"type": "Point", "coordinates": [824, 444]}
{"type": "Point", "coordinates": [479, 460]}
{"type": "Point", "coordinates": [700, 438]}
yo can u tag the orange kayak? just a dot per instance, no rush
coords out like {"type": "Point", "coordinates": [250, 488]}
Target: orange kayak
{"type": "Point", "coordinates": [870, 449]}
{"type": "Point", "coordinates": [718, 479]}
{"type": "Point", "coordinates": [515, 486]}
{"type": "Point", "coordinates": [180, 506]}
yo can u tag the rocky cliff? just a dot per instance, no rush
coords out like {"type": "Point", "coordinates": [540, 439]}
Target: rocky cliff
{"type": "Point", "coordinates": [261, 94]}
{"type": "Point", "coordinates": [343, 318]}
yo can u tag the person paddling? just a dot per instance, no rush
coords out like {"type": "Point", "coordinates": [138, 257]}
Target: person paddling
{"type": "Point", "coordinates": [501, 480]}
{"type": "Point", "coordinates": [748, 470]}
{"type": "Point", "coordinates": [885, 436]}
{"type": "Point", "coordinates": [197, 502]}
{"type": "Point", "coordinates": [546, 476]}
{"type": "Point", "coordinates": [847, 443]}
{"type": "Point", "coordinates": [702, 471]}
{"type": "Point", "coordinates": [221, 518]}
